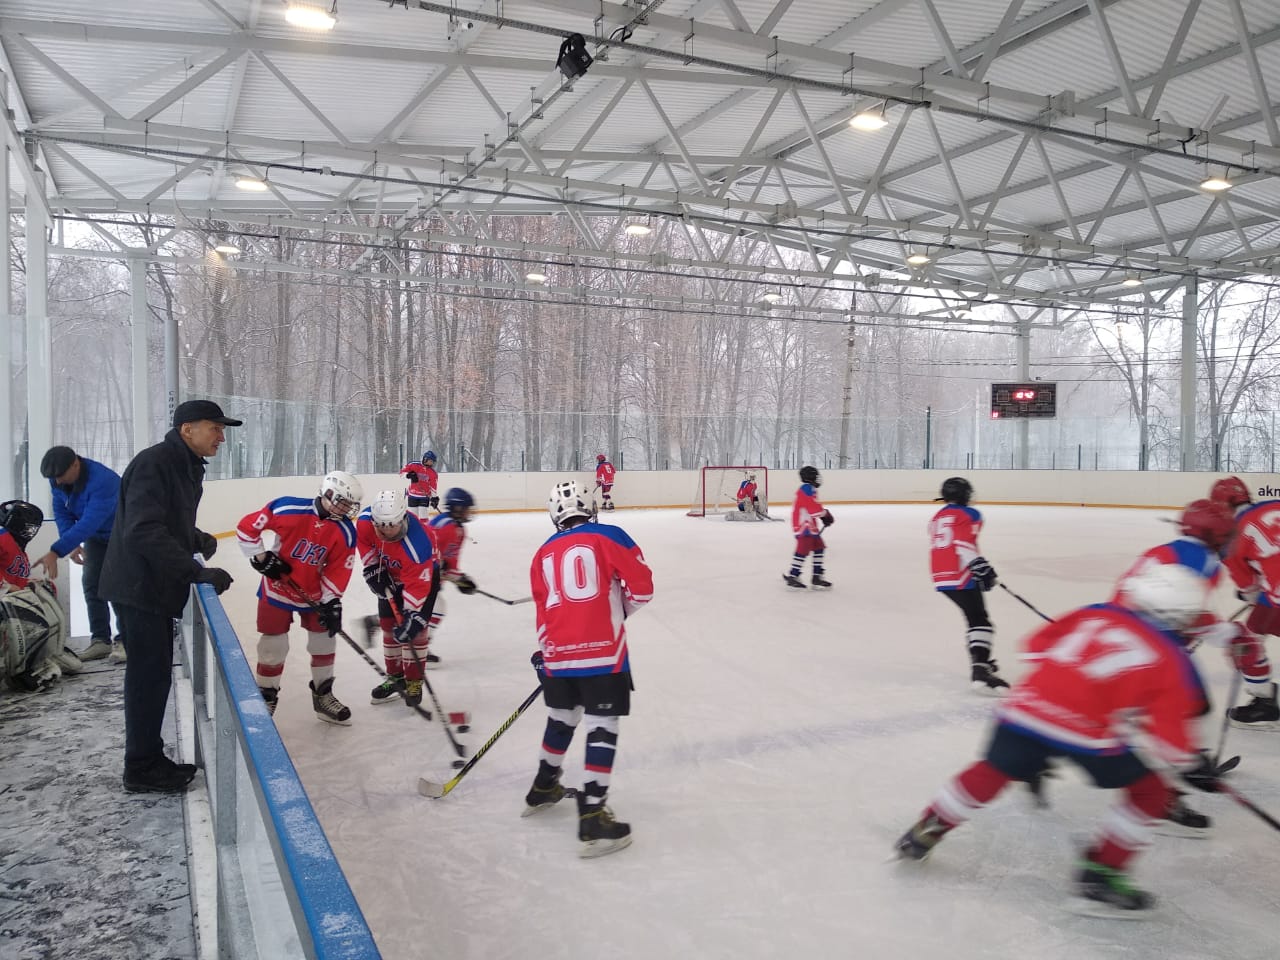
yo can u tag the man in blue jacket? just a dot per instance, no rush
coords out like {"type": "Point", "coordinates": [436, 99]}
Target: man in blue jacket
{"type": "Point", "coordinates": [84, 507]}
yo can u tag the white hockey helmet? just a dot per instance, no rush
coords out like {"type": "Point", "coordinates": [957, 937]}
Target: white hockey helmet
{"type": "Point", "coordinates": [388, 508]}
{"type": "Point", "coordinates": [1168, 593]}
{"type": "Point", "coordinates": [343, 491]}
{"type": "Point", "coordinates": [565, 503]}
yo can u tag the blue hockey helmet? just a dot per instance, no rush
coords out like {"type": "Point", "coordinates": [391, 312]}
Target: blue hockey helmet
{"type": "Point", "coordinates": [430, 456]}
{"type": "Point", "coordinates": [457, 497]}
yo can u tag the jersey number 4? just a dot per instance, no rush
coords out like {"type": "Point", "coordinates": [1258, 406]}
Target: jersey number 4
{"type": "Point", "coordinates": [576, 576]}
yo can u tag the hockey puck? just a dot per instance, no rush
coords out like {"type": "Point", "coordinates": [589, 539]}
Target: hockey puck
{"type": "Point", "coordinates": [459, 764]}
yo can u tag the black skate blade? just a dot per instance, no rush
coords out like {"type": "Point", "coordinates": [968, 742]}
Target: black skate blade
{"type": "Point", "coordinates": [1226, 766]}
{"type": "Point", "coordinates": [1084, 907]}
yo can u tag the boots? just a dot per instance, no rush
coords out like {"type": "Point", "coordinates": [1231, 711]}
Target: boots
{"type": "Point", "coordinates": [793, 580]}
{"type": "Point", "coordinates": [820, 581]}
{"type": "Point", "coordinates": [598, 832]}
{"type": "Point", "coordinates": [1106, 892]}
{"type": "Point", "coordinates": [388, 691]}
{"type": "Point", "coordinates": [918, 842]}
{"type": "Point", "coordinates": [1260, 713]}
{"type": "Point", "coordinates": [328, 707]}
{"type": "Point", "coordinates": [269, 697]}
{"type": "Point", "coordinates": [546, 791]}
{"type": "Point", "coordinates": [984, 679]}
{"type": "Point", "coordinates": [413, 693]}
{"type": "Point", "coordinates": [1179, 820]}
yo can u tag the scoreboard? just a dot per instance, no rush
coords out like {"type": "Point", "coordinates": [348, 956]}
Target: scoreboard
{"type": "Point", "coordinates": [1010, 401]}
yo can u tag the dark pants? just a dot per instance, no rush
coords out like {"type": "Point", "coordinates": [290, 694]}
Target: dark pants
{"type": "Point", "coordinates": [971, 604]}
{"type": "Point", "coordinates": [95, 551]}
{"type": "Point", "coordinates": [148, 674]}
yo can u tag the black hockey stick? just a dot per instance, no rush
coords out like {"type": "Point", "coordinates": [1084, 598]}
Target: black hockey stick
{"type": "Point", "coordinates": [509, 603]}
{"type": "Point", "coordinates": [429, 788]}
{"type": "Point", "coordinates": [1026, 603]}
{"type": "Point", "coordinates": [315, 608]}
{"type": "Point", "coordinates": [1249, 805]}
{"type": "Point", "coordinates": [429, 608]}
{"type": "Point", "coordinates": [1234, 691]}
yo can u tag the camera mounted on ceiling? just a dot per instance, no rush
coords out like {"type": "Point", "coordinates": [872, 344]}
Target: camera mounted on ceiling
{"type": "Point", "coordinates": [574, 59]}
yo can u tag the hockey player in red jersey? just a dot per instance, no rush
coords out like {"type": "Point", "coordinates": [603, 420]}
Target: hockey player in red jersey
{"type": "Point", "coordinates": [448, 534]}
{"type": "Point", "coordinates": [1253, 561]}
{"type": "Point", "coordinates": [1094, 671]}
{"type": "Point", "coordinates": [586, 580]}
{"type": "Point", "coordinates": [808, 519]}
{"type": "Point", "coordinates": [748, 500]}
{"type": "Point", "coordinates": [604, 480]}
{"type": "Point", "coordinates": [306, 573]}
{"type": "Point", "coordinates": [399, 566]}
{"type": "Point", "coordinates": [19, 523]}
{"type": "Point", "coordinates": [963, 575]}
{"type": "Point", "coordinates": [423, 481]}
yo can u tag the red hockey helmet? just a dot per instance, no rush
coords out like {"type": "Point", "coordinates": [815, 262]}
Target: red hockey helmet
{"type": "Point", "coordinates": [600, 458]}
{"type": "Point", "coordinates": [1230, 491]}
{"type": "Point", "coordinates": [1209, 521]}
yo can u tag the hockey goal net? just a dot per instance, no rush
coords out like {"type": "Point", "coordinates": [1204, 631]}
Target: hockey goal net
{"type": "Point", "coordinates": [717, 492]}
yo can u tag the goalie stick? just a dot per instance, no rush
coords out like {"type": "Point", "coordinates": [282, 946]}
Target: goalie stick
{"type": "Point", "coordinates": [434, 790]}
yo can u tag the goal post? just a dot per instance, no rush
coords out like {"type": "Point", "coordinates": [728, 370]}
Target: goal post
{"type": "Point", "coordinates": [717, 492]}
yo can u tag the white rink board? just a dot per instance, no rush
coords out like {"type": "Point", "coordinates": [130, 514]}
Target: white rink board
{"type": "Point", "coordinates": [781, 741]}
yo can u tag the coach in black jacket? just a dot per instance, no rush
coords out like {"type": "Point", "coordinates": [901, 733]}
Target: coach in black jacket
{"type": "Point", "coordinates": [147, 575]}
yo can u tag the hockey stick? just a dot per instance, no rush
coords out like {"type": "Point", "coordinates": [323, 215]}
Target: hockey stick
{"type": "Point", "coordinates": [509, 603]}
{"type": "Point", "coordinates": [1026, 603]}
{"type": "Point", "coordinates": [1230, 791]}
{"type": "Point", "coordinates": [1236, 680]}
{"type": "Point", "coordinates": [315, 608]}
{"type": "Point", "coordinates": [429, 788]}
{"type": "Point", "coordinates": [458, 748]}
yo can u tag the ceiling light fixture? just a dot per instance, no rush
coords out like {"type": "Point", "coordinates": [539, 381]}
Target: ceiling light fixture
{"type": "Point", "coordinates": [227, 249]}
{"type": "Point", "coordinates": [918, 258]}
{"type": "Point", "coordinates": [309, 16]}
{"type": "Point", "coordinates": [1131, 280]}
{"type": "Point", "coordinates": [251, 184]}
{"type": "Point", "coordinates": [869, 120]}
{"type": "Point", "coordinates": [773, 296]}
{"type": "Point", "coordinates": [638, 229]}
{"type": "Point", "coordinates": [1215, 184]}
{"type": "Point", "coordinates": [534, 277]}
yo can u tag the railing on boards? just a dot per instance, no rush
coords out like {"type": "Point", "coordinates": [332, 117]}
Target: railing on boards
{"type": "Point", "coordinates": [280, 890]}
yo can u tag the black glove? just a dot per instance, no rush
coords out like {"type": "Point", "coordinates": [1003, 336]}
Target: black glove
{"type": "Point", "coordinates": [536, 660]}
{"type": "Point", "coordinates": [1205, 776]}
{"type": "Point", "coordinates": [413, 476]}
{"type": "Point", "coordinates": [379, 579]}
{"type": "Point", "coordinates": [984, 573]}
{"type": "Point", "coordinates": [208, 544]}
{"type": "Point", "coordinates": [435, 503]}
{"type": "Point", "coordinates": [220, 579]}
{"type": "Point", "coordinates": [272, 565]}
{"type": "Point", "coordinates": [827, 519]}
{"type": "Point", "coordinates": [464, 583]}
{"type": "Point", "coordinates": [412, 624]}
{"type": "Point", "coordinates": [330, 616]}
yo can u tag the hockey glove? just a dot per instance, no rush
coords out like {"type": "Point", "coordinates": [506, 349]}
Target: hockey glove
{"type": "Point", "coordinates": [827, 519]}
{"type": "Point", "coordinates": [536, 660]}
{"type": "Point", "coordinates": [464, 583]}
{"type": "Point", "coordinates": [330, 616]}
{"type": "Point", "coordinates": [219, 578]}
{"type": "Point", "coordinates": [379, 579]}
{"type": "Point", "coordinates": [435, 503]}
{"type": "Point", "coordinates": [271, 565]}
{"type": "Point", "coordinates": [983, 573]}
{"type": "Point", "coordinates": [413, 476]}
{"type": "Point", "coordinates": [208, 544]}
{"type": "Point", "coordinates": [413, 624]}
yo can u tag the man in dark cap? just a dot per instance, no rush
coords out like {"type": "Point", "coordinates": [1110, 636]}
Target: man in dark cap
{"type": "Point", "coordinates": [148, 573]}
{"type": "Point", "coordinates": [84, 507]}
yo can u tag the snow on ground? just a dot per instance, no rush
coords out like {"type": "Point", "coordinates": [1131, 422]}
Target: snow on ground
{"type": "Point", "coordinates": [780, 742]}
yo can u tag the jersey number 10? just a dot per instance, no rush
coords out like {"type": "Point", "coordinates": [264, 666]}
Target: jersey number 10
{"type": "Point", "coordinates": [577, 576]}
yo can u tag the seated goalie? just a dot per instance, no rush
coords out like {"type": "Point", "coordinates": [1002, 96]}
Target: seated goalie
{"type": "Point", "coordinates": [749, 507]}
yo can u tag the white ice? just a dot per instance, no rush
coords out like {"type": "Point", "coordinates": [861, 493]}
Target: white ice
{"type": "Point", "coordinates": [780, 741]}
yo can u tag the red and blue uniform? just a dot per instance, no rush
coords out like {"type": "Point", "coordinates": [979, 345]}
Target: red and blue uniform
{"type": "Point", "coordinates": [425, 486]}
{"type": "Point", "coordinates": [953, 545]}
{"type": "Point", "coordinates": [411, 561]}
{"type": "Point", "coordinates": [746, 493]}
{"type": "Point", "coordinates": [15, 568]}
{"type": "Point", "coordinates": [586, 581]}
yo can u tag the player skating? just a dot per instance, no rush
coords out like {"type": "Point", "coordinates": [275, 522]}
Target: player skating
{"type": "Point", "coordinates": [963, 575]}
{"type": "Point", "coordinates": [448, 533]}
{"type": "Point", "coordinates": [604, 480]}
{"type": "Point", "coordinates": [586, 580]}
{"type": "Point", "coordinates": [1094, 670]}
{"type": "Point", "coordinates": [423, 481]}
{"type": "Point", "coordinates": [399, 566]}
{"type": "Point", "coordinates": [1253, 560]}
{"type": "Point", "coordinates": [306, 573]}
{"type": "Point", "coordinates": [808, 519]}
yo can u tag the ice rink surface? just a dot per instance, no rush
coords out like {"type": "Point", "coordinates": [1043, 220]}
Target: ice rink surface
{"type": "Point", "coordinates": [780, 741]}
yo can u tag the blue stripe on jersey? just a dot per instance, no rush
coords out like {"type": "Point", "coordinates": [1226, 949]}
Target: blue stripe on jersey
{"type": "Point", "coordinates": [439, 520]}
{"type": "Point", "coordinates": [348, 527]}
{"type": "Point", "coordinates": [293, 505]}
{"type": "Point", "coordinates": [417, 542]}
{"type": "Point", "coordinates": [1193, 554]}
{"type": "Point", "coordinates": [606, 530]}
{"type": "Point", "coordinates": [969, 512]}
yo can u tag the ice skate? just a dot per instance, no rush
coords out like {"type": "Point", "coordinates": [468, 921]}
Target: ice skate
{"type": "Point", "coordinates": [269, 696]}
{"type": "Point", "coordinates": [918, 842]}
{"type": "Point", "coordinates": [388, 691]}
{"type": "Point", "coordinates": [1260, 713]}
{"type": "Point", "coordinates": [545, 793]}
{"type": "Point", "coordinates": [820, 581]}
{"type": "Point", "coordinates": [413, 693]}
{"type": "Point", "coordinates": [328, 707]}
{"type": "Point", "coordinates": [1179, 820]}
{"type": "Point", "coordinates": [794, 581]}
{"type": "Point", "coordinates": [984, 679]}
{"type": "Point", "coordinates": [598, 832]}
{"type": "Point", "coordinates": [1103, 892]}
{"type": "Point", "coordinates": [430, 661]}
